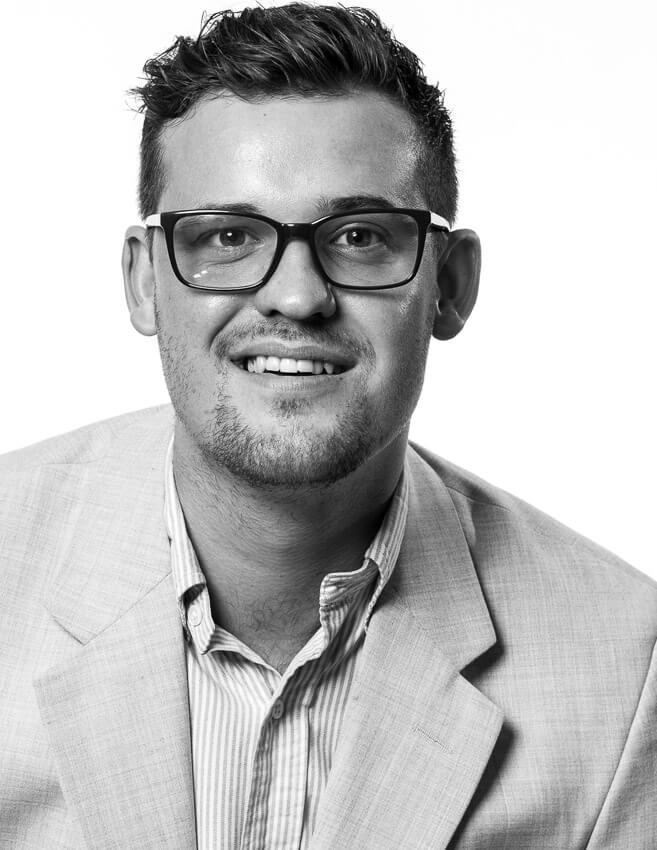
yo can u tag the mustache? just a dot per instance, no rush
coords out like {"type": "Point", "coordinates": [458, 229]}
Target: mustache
{"type": "Point", "coordinates": [285, 332]}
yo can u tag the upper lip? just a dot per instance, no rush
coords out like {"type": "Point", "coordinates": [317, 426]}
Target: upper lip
{"type": "Point", "coordinates": [294, 352]}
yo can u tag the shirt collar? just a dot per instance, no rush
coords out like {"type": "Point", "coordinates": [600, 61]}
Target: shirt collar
{"type": "Point", "coordinates": [381, 554]}
{"type": "Point", "coordinates": [384, 549]}
{"type": "Point", "coordinates": [186, 570]}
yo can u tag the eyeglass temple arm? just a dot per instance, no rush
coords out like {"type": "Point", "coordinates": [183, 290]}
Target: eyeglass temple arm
{"type": "Point", "coordinates": [153, 220]}
{"type": "Point", "coordinates": [436, 221]}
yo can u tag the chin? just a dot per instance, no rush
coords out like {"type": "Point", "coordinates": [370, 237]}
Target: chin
{"type": "Point", "coordinates": [297, 455]}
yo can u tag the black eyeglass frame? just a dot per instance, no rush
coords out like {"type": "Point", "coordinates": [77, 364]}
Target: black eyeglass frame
{"type": "Point", "coordinates": [426, 220]}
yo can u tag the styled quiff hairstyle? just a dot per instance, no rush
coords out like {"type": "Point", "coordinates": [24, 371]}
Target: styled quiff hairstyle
{"type": "Point", "coordinates": [296, 49]}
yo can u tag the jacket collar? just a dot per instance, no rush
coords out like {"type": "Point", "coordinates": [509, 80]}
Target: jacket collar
{"type": "Point", "coordinates": [111, 546]}
{"type": "Point", "coordinates": [435, 575]}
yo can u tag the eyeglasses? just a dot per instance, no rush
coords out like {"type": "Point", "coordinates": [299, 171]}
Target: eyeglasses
{"type": "Point", "coordinates": [225, 251]}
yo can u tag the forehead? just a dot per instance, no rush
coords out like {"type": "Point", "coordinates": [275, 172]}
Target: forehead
{"type": "Point", "coordinates": [285, 154]}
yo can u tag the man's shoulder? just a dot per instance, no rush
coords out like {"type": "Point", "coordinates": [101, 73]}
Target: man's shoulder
{"type": "Point", "coordinates": [56, 491]}
{"type": "Point", "coordinates": [41, 482]}
{"type": "Point", "coordinates": [521, 551]}
{"type": "Point", "coordinates": [133, 431]}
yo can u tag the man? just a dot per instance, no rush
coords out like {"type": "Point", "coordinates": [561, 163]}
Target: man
{"type": "Point", "coordinates": [261, 619]}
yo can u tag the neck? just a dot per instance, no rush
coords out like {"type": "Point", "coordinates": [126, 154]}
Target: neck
{"type": "Point", "coordinates": [264, 552]}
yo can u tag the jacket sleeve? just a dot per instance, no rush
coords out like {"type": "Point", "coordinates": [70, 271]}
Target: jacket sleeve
{"type": "Point", "coordinates": [628, 817]}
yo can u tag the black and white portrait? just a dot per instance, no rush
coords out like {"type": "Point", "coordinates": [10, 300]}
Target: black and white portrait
{"type": "Point", "coordinates": [327, 449]}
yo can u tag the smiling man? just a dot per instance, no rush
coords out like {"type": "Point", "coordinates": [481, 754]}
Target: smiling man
{"type": "Point", "coordinates": [259, 618]}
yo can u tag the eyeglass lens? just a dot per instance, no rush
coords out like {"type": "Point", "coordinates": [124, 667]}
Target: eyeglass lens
{"type": "Point", "coordinates": [219, 251]}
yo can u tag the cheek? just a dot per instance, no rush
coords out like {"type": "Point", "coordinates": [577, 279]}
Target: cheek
{"type": "Point", "coordinates": [405, 335]}
{"type": "Point", "coordinates": [190, 319]}
{"type": "Point", "coordinates": [182, 332]}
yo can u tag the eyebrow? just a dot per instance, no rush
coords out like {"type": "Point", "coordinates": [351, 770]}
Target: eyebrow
{"type": "Point", "coordinates": [236, 208]}
{"type": "Point", "coordinates": [325, 205]}
{"type": "Point", "coordinates": [353, 202]}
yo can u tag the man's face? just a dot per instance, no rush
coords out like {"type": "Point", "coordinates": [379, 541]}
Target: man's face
{"type": "Point", "coordinates": [293, 159]}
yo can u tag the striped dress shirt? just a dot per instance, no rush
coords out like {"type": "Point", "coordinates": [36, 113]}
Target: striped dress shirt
{"type": "Point", "coordinates": [262, 742]}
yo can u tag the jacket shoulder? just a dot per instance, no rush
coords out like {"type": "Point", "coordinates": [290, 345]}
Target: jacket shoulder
{"type": "Point", "coordinates": [88, 443]}
{"type": "Point", "coordinates": [42, 482]}
{"type": "Point", "coordinates": [54, 490]}
{"type": "Point", "coordinates": [511, 540]}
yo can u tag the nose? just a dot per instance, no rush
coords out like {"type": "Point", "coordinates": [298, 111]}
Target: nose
{"type": "Point", "coordinates": [297, 288]}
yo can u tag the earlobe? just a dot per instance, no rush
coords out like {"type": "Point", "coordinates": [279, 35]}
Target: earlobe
{"type": "Point", "coordinates": [139, 281]}
{"type": "Point", "coordinates": [448, 322]}
{"type": "Point", "coordinates": [458, 283]}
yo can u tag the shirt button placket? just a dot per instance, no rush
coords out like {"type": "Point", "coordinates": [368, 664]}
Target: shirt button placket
{"type": "Point", "coordinates": [277, 709]}
{"type": "Point", "coordinates": [257, 814]}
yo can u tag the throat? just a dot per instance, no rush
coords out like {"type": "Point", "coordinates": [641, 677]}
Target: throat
{"type": "Point", "coordinates": [276, 650]}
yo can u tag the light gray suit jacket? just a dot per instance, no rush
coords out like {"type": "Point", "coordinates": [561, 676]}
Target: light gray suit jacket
{"type": "Point", "coordinates": [506, 695]}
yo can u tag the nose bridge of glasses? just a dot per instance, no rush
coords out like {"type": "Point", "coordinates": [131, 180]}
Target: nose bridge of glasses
{"type": "Point", "coordinates": [297, 285]}
{"type": "Point", "coordinates": [299, 230]}
{"type": "Point", "coordinates": [293, 231]}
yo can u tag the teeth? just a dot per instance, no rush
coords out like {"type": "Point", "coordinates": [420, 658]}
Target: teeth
{"type": "Point", "coordinates": [290, 366]}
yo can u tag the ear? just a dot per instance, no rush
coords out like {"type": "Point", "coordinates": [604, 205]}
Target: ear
{"type": "Point", "coordinates": [139, 281]}
{"type": "Point", "coordinates": [458, 283]}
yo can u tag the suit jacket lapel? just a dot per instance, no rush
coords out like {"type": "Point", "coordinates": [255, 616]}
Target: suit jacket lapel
{"type": "Point", "coordinates": [116, 710]}
{"type": "Point", "coordinates": [118, 721]}
{"type": "Point", "coordinates": [416, 736]}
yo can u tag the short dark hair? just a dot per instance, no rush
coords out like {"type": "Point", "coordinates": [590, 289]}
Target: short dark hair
{"type": "Point", "coordinates": [294, 49]}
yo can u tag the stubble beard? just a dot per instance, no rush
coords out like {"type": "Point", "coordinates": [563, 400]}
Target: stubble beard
{"type": "Point", "coordinates": [299, 454]}
{"type": "Point", "coordinates": [293, 456]}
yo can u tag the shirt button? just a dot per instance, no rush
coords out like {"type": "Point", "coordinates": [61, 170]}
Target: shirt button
{"type": "Point", "coordinates": [195, 615]}
{"type": "Point", "coordinates": [277, 709]}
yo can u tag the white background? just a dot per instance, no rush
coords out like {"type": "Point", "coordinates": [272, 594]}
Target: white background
{"type": "Point", "coordinates": [550, 390]}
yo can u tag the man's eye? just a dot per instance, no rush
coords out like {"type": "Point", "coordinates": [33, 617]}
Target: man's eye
{"type": "Point", "coordinates": [358, 237]}
{"type": "Point", "coordinates": [230, 237]}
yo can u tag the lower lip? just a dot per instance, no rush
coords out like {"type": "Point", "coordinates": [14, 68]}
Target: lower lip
{"type": "Point", "coordinates": [293, 384]}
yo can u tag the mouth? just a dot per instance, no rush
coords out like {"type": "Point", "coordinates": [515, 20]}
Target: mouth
{"type": "Point", "coordinates": [273, 365]}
